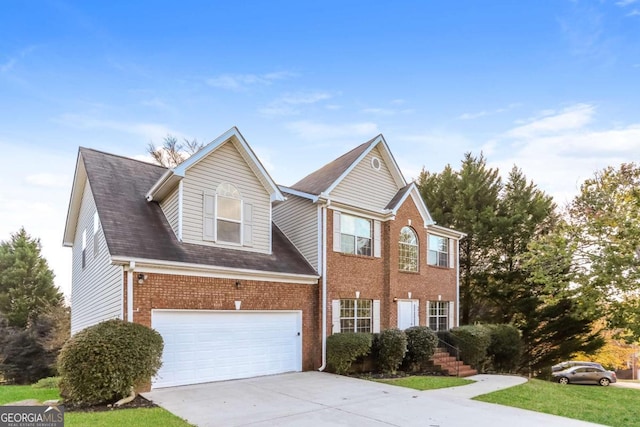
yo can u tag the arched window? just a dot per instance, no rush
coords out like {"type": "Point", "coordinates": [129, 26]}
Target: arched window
{"type": "Point", "coordinates": [408, 250]}
{"type": "Point", "coordinates": [228, 213]}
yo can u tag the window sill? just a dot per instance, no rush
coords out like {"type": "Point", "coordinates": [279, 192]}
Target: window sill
{"type": "Point", "coordinates": [439, 267]}
{"type": "Point", "coordinates": [357, 256]}
{"type": "Point", "coordinates": [409, 272]}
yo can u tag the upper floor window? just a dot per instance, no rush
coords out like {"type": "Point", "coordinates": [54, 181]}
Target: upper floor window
{"type": "Point", "coordinates": [228, 214]}
{"type": "Point", "coordinates": [408, 250]}
{"type": "Point", "coordinates": [438, 251]}
{"type": "Point", "coordinates": [84, 248]}
{"type": "Point", "coordinates": [355, 235]}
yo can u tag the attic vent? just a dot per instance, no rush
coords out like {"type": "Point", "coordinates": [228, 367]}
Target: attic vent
{"type": "Point", "coordinates": [375, 163]}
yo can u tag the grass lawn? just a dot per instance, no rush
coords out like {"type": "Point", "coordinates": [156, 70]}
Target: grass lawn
{"type": "Point", "coordinates": [139, 417]}
{"type": "Point", "coordinates": [426, 383]}
{"type": "Point", "coordinates": [610, 406]}
{"type": "Point", "coordinates": [15, 393]}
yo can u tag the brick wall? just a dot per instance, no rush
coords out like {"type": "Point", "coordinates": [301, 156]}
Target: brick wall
{"type": "Point", "coordinates": [166, 291]}
{"type": "Point", "coordinates": [380, 278]}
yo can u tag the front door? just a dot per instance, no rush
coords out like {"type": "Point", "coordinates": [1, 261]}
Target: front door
{"type": "Point", "coordinates": [407, 314]}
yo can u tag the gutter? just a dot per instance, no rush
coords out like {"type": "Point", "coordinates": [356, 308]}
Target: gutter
{"type": "Point", "coordinates": [457, 282]}
{"type": "Point", "coordinates": [130, 268]}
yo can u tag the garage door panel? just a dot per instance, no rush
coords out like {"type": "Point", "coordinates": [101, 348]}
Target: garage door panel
{"type": "Point", "coordinates": [203, 346]}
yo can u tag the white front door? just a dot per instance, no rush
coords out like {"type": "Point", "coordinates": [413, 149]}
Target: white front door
{"type": "Point", "coordinates": [407, 314]}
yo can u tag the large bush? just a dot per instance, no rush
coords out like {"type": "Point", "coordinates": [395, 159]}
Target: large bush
{"type": "Point", "coordinates": [344, 348]}
{"type": "Point", "coordinates": [103, 362]}
{"type": "Point", "coordinates": [505, 347]}
{"type": "Point", "coordinates": [421, 344]}
{"type": "Point", "coordinates": [23, 360]}
{"type": "Point", "coordinates": [392, 346]}
{"type": "Point", "coordinates": [473, 341]}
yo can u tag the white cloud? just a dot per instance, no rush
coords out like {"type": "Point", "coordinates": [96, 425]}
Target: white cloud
{"type": "Point", "coordinates": [634, 12]}
{"type": "Point", "coordinates": [287, 103]}
{"type": "Point", "coordinates": [573, 117]}
{"type": "Point", "coordinates": [11, 62]}
{"type": "Point", "coordinates": [387, 111]}
{"type": "Point", "coordinates": [152, 131]}
{"type": "Point", "coordinates": [483, 113]}
{"type": "Point", "coordinates": [240, 82]}
{"type": "Point", "coordinates": [560, 151]}
{"type": "Point", "coordinates": [315, 131]}
{"type": "Point", "coordinates": [624, 3]}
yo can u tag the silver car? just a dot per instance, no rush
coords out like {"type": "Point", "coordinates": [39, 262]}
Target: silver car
{"type": "Point", "coordinates": [585, 375]}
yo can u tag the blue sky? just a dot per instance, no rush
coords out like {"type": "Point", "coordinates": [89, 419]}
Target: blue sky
{"type": "Point", "coordinates": [551, 86]}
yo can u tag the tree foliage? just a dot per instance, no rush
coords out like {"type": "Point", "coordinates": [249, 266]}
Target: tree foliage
{"type": "Point", "coordinates": [26, 282]}
{"type": "Point", "coordinates": [172, 152]}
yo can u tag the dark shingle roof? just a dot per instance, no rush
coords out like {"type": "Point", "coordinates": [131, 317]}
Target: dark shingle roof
{"type": "Point", "coordinates": [136, 228]}
{"type": "Point", "coordinates": [399, 195]}
{"type": "Point", "coordinates": [320, 180]}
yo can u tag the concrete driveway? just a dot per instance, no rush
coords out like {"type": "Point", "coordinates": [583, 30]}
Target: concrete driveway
{"type": "Point", "coordinates": [322, 399]}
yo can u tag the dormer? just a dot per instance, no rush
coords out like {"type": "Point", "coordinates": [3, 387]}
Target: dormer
{"type": "Point", "coordinates": [221, 196]}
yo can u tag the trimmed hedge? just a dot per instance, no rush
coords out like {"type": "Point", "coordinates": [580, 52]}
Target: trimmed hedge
{"type": "Point", "coordinates": [391, 346]}
{"type": "Point", "coordinates": [505, 348]}
{"type": "Point", "coordinates": [473, 341]}
{"type": "Point", "coordinates": [421, 345]}
{"type": "Point", "coordinates": [344, 348]}
{"type": "Point", "coordinates": [103, 362]}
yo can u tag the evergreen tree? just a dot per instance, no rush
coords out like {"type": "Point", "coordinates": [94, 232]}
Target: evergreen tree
{"type": "Point", "coordinates": [26, 282]}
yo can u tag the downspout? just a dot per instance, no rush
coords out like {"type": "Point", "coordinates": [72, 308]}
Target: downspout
{"type": "Point", "coordinates": [457, 282]}
{"type": "Point", "coordinates": [324, 289]}
{"type": "Point", "coordinates": [132, 266]}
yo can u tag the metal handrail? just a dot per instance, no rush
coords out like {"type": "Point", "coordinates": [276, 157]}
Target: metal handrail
{"type": "Point", "coordinates": [457, 353]}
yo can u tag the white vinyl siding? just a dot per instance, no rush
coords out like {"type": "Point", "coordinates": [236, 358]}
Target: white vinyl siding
{"type": "Point", "coordinates": [225, 164]}
{"type": "Point", "coordinates": [298, 220]}
{"type": "Point", "coordinates": [169, 207]}
{"type": "Point", "coordinates": [366, 187]}
{"type": "Point", "coordinates": [96, 290]}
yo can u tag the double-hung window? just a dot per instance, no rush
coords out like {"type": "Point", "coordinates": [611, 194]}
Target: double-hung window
{"type": "Point", "coordinates": [228, 214]}
{"type": "Point", "coordinates": [355, 315]}
{"type": "Point", "coordinates": [439, 315]}
{"type": "Point", "coordinates": [408, 250]}
{"type": "Point", "coordinates": [355, 235]}
{"type": "Point", "coordinates": [438, 253]}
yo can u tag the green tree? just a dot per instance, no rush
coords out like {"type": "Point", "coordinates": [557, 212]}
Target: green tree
{"type": "Point", "coordinates": [172, 152]}
{"type": "Point", "coordinates": [26, 282]}
{"type": "Point", "coordinates": [468, 201]}
{"type": "Point", "coordinates": [604, 224]}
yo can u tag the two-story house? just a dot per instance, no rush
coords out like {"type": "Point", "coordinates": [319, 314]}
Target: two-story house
{"type": "Point", "coordinates": [242, 277]}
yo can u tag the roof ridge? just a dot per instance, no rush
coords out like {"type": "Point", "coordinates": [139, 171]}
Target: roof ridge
{"type": "Point", "coordinates": [81, 148]}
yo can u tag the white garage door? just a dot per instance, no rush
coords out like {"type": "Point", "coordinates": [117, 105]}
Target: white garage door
{"type": "Point", "coordinates": [202, 346]}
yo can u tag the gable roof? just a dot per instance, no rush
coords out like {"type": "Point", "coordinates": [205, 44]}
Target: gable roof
{"type": "Point", "coordinates": [330, 175]}
{"type": "Point", "coordinates": [135, 228]}
{"type": "Point", "coordinates": [410, 190]}
{"type": "Point", "coordinates": [165, 183]}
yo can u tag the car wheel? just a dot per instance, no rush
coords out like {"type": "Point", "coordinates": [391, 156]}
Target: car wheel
{"type": "Point", "coordinates": [604, 382]}
{"type": "Point", "coordinates": [563, 380]}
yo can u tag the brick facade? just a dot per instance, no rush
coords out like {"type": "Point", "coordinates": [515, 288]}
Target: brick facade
{"type": "Point", "coordinates": [381, 279]}
{"type": "Point", "coordinates": [168, 291]}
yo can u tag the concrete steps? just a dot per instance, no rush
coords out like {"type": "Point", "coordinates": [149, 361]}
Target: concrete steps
{"type": "Point", "coordinates": [448, 365]}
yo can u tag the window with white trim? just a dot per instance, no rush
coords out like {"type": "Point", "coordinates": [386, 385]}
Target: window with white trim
{"type": "Point", "coordinates": [408, 250]}
{"type": "Point", "coordinates": [438, 315]}
{"type": "Point", "coordinates": [228, 214]}
{"type": "Point", "coordinates": [355, 235]}
{"type": "Point", "coordinates": [438, 253]}
{"type": "Point", "coordinates": [356, 315]}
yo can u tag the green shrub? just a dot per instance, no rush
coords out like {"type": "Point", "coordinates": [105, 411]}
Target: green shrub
{"type": "Point", "coordinates": [49, 382]}
{"type": "Point", "coordinates": [392, 345]}
{"type": "Point", "coordinates": [103, 362]}
{"type": "Point", "coordinates": [344, 348]}
{"type": "Point", "coordinates": [23, 359]}
{"type": "Point", "coordinates": [505, 347]}
{"type": "Point", "coordinates": [421, 344]}
{"type": "Point", "coordinates": [473, 341]}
